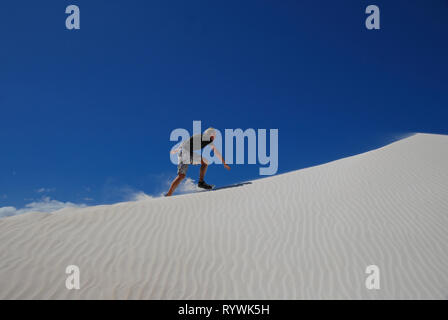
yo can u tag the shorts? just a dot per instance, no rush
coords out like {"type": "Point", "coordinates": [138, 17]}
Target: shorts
{"type": "Point", "coordinates": [184, 160]}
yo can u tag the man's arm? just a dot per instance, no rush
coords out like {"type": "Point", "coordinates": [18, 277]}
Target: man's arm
{"type": "Point", "coordinates": [218, 154]}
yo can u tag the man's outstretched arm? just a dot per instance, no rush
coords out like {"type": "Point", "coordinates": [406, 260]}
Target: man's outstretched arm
{"type": "Point", "coordinates": [218, 154]}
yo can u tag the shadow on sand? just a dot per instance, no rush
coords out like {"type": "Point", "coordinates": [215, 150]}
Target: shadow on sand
{"type": "Point", "coordinates": [219, 188]}
{"type": "Point", "coordinates": [231, 186]}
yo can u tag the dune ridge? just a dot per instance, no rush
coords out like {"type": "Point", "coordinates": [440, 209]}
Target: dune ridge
{"type": "Point", "coordinates": [307, 234]}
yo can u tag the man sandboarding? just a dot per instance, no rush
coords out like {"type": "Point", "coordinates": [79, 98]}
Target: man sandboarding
{"type": "Point", "coordinates": [187, 156]}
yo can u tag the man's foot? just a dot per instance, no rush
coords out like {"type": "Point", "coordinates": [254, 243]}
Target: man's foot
{"type": "Point", "coordinates": [204, 185]}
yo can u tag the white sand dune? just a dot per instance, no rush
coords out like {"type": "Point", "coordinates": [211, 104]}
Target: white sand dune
{"type": "Point", "coordinates": [308, 234]}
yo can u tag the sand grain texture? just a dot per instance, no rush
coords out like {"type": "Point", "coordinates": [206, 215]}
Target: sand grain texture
{"type": "Point", "coordinates": [307, 234]}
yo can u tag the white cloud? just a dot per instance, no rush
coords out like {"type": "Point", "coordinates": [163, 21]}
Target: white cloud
{"type": "Point", "coordinates": [43, 205]}
{"type": "Point", "coordinates": [45, 190]}
{"type": "Point", "coordinates": [46, 204]}
{"type": "Point", "coordinates": [7, 211]}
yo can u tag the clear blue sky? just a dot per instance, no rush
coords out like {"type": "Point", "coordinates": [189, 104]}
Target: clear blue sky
{"type": "Point", "coordinates": [87, 114]}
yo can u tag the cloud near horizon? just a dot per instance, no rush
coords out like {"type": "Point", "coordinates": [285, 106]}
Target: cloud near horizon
{"type": "Point", "coordinates": [46, 204]}
{"type": "Point", "coordinates": [45, 190]}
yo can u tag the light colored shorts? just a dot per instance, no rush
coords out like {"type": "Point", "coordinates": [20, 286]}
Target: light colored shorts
{"type": "Point", "coordinates": [184, 160]}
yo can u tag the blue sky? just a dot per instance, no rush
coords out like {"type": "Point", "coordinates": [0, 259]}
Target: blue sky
{"type": "Point", "coordinates": [86, 115]}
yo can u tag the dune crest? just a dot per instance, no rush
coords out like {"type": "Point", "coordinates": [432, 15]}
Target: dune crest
{"type": "Point", "coordinates": [307, 234]}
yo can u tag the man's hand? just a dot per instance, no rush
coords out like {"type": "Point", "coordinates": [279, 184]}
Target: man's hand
{"type": "Point", "coordinates": [226, 166]}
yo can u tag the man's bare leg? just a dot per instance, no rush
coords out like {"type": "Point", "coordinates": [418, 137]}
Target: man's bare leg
{"type": "Point", "coordinates": [175, 183]}
{"type": "Point", "coordinates": [203, 169]}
